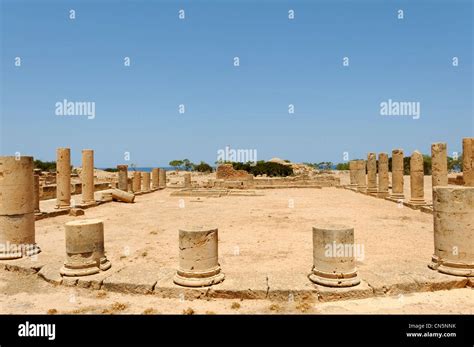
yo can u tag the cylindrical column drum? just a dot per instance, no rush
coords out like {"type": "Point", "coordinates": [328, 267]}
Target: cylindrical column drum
{"type": "Point", "coordinates": [198, 257]}
{"type": "Point", "coordinates": [417, 179]}
{"type": "Point", "coordinates": [163, 178]}
{"type": "Point", "coordinates": [36, 192]}
{"type": "Point", "coordinates": [383, 176]}
{"type": "Point", "coordinates": [453, 216]}
{"type": "Point", "coordinates": [155, 178]}
{"type": "Point", "coordinates": [334, 256]}
{"type": "Point", "coordinates": [397, 174]}
{"type": "Point", "coordinates": [85, 254]}
{"type": "Point", "coordinates": [63, 178]}
{"type": "Point", "coordinates": [137, 182]}
{"type": "Point", "coordinates": [122, 177]}
{"type": "Point", "coordinates": [187, 180]}
{"type": "Point", "coordinates": [353, 174]}
{"type": "Point", "coordinates": [372, 174]}
{"type": "Point", "coordinates": [146, 181]}
{"type": "Point", "coordinates": [468, 161]}
{"type": "Point", "coordinates": [17, 206]}
{"type": "Point", "coordinates": [361, 176]}
{"type": "Point", "coordinates": [87, 176]}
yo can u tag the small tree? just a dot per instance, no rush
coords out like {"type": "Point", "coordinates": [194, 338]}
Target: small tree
{"type": "Point", "coordinates": [176, 164]}
{"type": "Point", "coordinates": [187, 164]}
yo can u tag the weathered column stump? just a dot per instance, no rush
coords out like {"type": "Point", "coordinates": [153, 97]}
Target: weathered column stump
{"type": "Point", "coordinates": [87, 177]}
{"type": "Point", "coordinates": [146, 182]}
{"type": "Point", "coordinates": [137, 182]}
{"type": "Point", "coordinates": [372, 174]}
{"type": "Point", "coordinates": [162, 179]}
{"type": "Point", "coordinates": [17, 208]}
{"type": "Point", "coordinates": [63, 178]}
{"type": "Point", "coordinates": [122, 177]}
{"type": "Point", "coordinates": [85, 253]}
{"type": "Point", "coordinates": [453, 217]}
{"type": "Point", "coordinates": [353, 174]}
{"type": "Point", "coordinates": [187, 180]}
{"type": "Point", "coordinates": [361, 175]}
{"type": "Point", "coordinates": [36, 193]}
{"type": "Point", "coordinates": [198, 257]}
{"type": "Point", "coordinates": [468, 161]}
{"type": "Point", "coordinates": [417, 176]}
{"type": "Point", "coordinates": [383, 176]}
{"type": "Point", "coordinates": [397, 175]}
{"type": "Point", "coordinates": [330, 267]}
{"type": "Point", "coordinates": [155, 178]}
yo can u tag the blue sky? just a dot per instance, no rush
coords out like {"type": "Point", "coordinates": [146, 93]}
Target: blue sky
{"type": "Point", "coordinates": [190, 62]}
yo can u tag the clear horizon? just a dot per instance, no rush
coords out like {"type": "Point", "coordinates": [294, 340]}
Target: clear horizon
{"type": "Point", "coordinates": [337, 109]}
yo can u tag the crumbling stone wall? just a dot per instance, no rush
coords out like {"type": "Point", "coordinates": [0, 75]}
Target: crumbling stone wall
{"type": "Point", "coordinates": [227, 172]}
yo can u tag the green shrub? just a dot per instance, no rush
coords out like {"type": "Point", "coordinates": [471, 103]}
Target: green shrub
{"type": "Point", "coordinates": [264, 168]}
{"type": "Point", "coordinates": [45, 165]}
{"type": "Point", "coordinates": [202, 167]}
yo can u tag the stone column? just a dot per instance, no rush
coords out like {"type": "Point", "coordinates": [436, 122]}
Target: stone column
{"type": "Point", "coordinates": [383, 176]}
{"type": "Point", "coordinates": [63, 178]}
{"type": "Point", "coordinates": [155, 178]}
{"type": "Point", "coordinates": [334, 256]}
{"type": "Point", "coordinates": [163, 178]}
{"type": "Point", "coordinates": [198, 257]}
{"type": "Point", "coordinates": [146, 181]}
{"type": "Point", "coordinates": [17, 206]}
{"type": "Point", "coordinates": [85, 253]}
{"type": "Point", "coordinates": [36, 192]}
{"type": "Point", "coordinates": [417, 176]}
{"type": "Point", "coordinates": [353, 174]}
{"type": "Point", "coordinates": [397, 175]}
{"type": "Point", "coordinates": [372, 174]}
{"type": "Point", "coordinates": [87, 176]}
{"type": "Point", "coordinates": [453, 216]}
{"type": "Point", "coordinates": [439, 165]}
{"type": "Point", "coordinates": [361, 178]}
{"type": "Point", "coordinates": [137, 182]}
{"type": "Point", "coordinates": [187, 180]}
{"type": "Point", "coordinates": [122, 177]}
{"type": "Point", "coordinates": [468, 161]}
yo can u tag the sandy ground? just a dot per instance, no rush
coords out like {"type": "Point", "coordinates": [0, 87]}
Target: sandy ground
{"type": "Point", "coordinates": [20, 293]}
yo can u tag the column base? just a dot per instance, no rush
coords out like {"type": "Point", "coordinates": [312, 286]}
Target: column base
{"type": "Point", "coordinates": [194, 279]}
{"type": "Point", "coordinates": [382, 195]}
{"type": "Point", "coordinates": [20, 251]}
{"type": "Point", "coordinates": [334, 279]}
{"type": "Point", "coordinates": [451, 268]}
{"type": "Point", "coordinates": [85, 269]}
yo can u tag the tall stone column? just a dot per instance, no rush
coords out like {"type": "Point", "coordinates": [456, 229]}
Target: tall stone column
{"type": "Point", "coordinates": [137, 182]}
{"type": "Point", "coordinates": [383, 175]}
{"type": "Point", "coordinates": [397, 175]}
{"type": "Point", "coordinates": [17, 206]}
{"type": "Point", "coordinates": [453, 216]}
{"type": "Point", "coordinates": [163, 178]}
{"type": "Point", "coordinates": [122, 177]}
{"type": "Point", "coordinates": [63, 178]}
{"type": "Point", "coordinates": [361, 178]}
{"type": "Point", "coordinates": [372, 174]}
{"type": "Point", "coordinates": [155, 178]}
{"type": "Point", "coordinates": [187, 180]}
{"type": "Point", "coordinates": [439, 164]}
{"type": "Point", "coordinates": [417, 179]}
{"type": "Point", "coordinates": [468, 161]}
{"type": "Point", "coordinates": [87, 176]}
{"type": "Point", "coordinates": [353, 174]}
{"type": "Point", "coordinates": [37, 193]}
{"type": "Point", "coordinates": [146, 181]}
